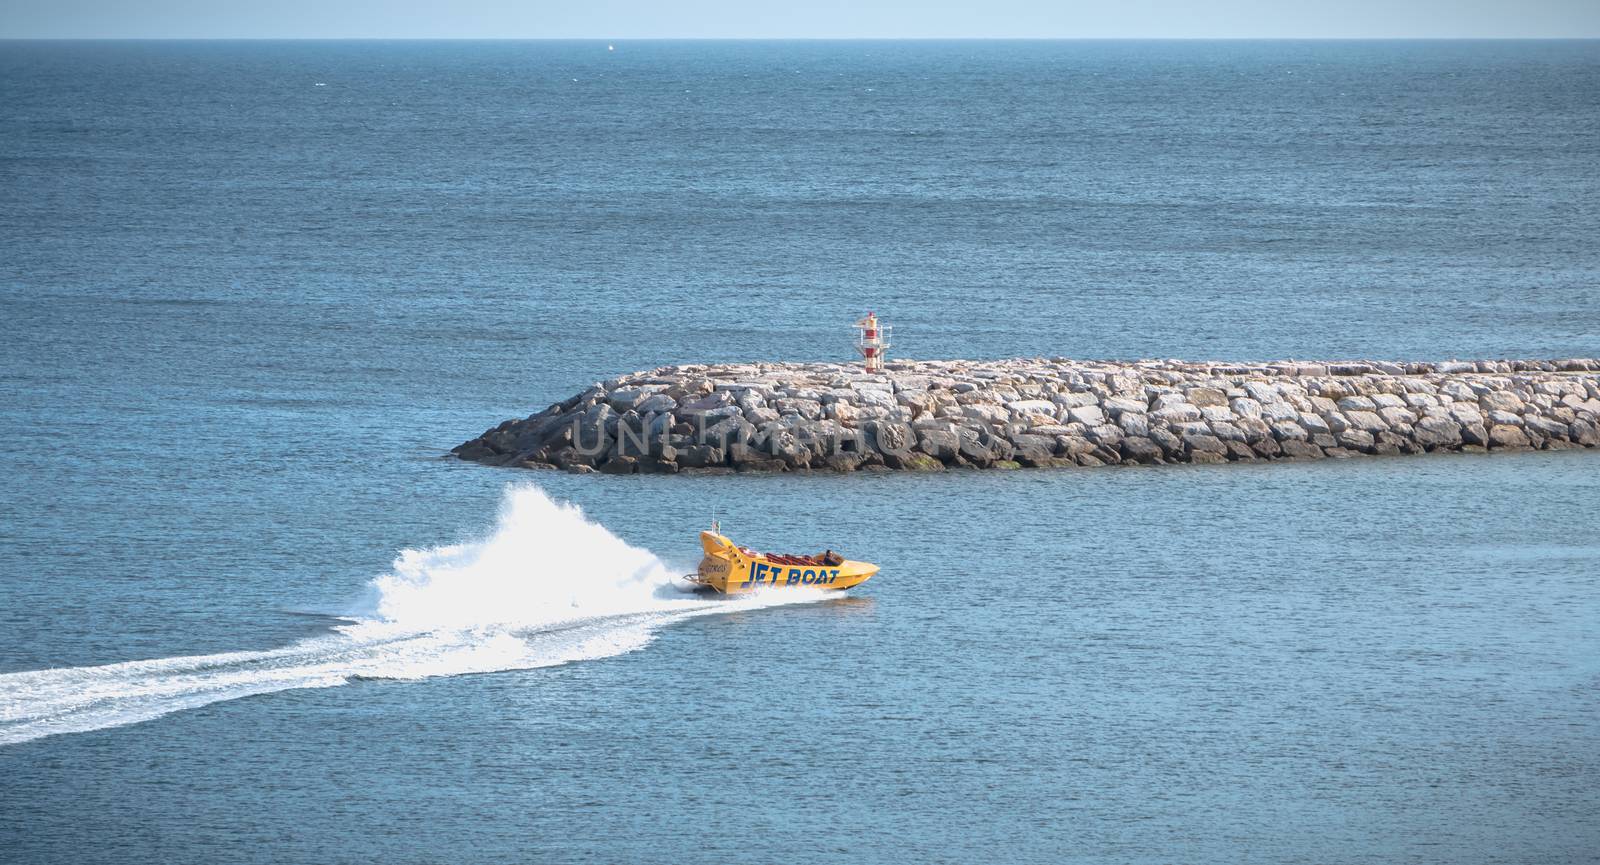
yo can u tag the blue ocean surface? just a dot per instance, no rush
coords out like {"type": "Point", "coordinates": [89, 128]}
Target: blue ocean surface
{"type": "Point", "coordinates": [250, 292]}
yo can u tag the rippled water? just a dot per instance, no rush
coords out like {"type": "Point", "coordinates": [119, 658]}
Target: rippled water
{"type": "Point", "coordinates": [250, 292]}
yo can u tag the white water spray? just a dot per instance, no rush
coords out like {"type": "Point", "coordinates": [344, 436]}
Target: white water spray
{"type": "Point", "coordinates": [547, 587]}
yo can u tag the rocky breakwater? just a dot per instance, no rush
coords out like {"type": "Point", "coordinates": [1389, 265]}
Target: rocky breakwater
{"type": "Point", "coordinates": [929, 415]}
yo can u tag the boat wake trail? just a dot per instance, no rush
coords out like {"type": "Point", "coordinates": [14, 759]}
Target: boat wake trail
{"type": "Point", "coordinates": [548, 587]}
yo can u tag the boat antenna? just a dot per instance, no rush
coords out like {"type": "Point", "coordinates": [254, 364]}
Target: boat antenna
{"type": "Point", "coordinates": [715, 526]}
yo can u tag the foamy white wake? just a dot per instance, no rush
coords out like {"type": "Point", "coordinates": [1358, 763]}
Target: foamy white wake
{"type": "Point", "coordinates": [547, 587]}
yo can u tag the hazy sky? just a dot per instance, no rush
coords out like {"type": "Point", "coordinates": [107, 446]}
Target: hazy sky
{"type": "Point", "coordinates": [624, 19]}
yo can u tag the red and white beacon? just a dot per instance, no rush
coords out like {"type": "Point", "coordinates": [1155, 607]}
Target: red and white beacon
{"type": "Point", "coordinates": [873, 343]}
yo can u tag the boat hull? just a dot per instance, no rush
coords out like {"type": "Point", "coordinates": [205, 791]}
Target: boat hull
{"type": "Point", "coordinates": [731, 570]}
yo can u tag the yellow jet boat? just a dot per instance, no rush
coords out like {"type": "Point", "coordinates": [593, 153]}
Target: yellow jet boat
{"type": "Point", "coordinates": [734, 570]}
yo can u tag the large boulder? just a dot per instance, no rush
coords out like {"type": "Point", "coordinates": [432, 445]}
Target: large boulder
{"type": "Point", "coordinates": [1299, 450]}
{"type": "Point", "coordinates": [711, 402]}
{"type": "Point", "coordinates": [1501, 401]}
{"type": "Point", "coordinates": [1140, 450]}
{"type": "Point", "coordinates": [1395, 417]}
{"type": "Point", "coordinates": [1255, 430]}
{"type": "Point", "coordinates": [976, 452]}
{"type": "Point", "coordinates": [1074, 446]}
{"type": "Point", "coordinates": [656, 403]}
{"type": "Point", "coordinates": [1177, 413]}
{"type": "Point", "coordinates": [1073, 400]}
{"type": "Point", "coordinates": [1204, 443]}
{"type": "Point", "coordinates": [1170, 444]}
{"type": "Point", "coordinates": [1289, 431]}
{"type": "Point", "coordinates": [1087, 415]}
{"type": "Point", "coordinates": [890, 437]}
{"type": "Point", "coordinates": [1547, 427]}
{"type": "Point", "coordinates": [1365, 420]}
{"type": "Point", "coordinates": [589, 434]}
{"type": "Point", "coordinates": [806, 408]}
{"type": "Point", "coordinates": [620, 466]}
{"type": "Point", "coordinates": [876, 399]}
{"type": "Point", "coordinates": [842, 462]}
{"type": "Point", "coordinates": [1355, 439]}
{"type": "Point", "coordinates": [747, 458]}
{"type": "Point", "coordinates": [1316, 424]}
{"type": "Point", "coordinates": [913, 462]}
{"type": "Point", "coordinates": [943, 445]}
{"type": "Point", "coordinates": [1239, 451]}
{"type": "Point", "coordinates": [1507, 436]}
{"type": "Point", "coordinates": [629, 398]}
{"type": "Point", "coordinates": [1033, 450]}
{"type": "Point", "coordinates": [1280, 410]}
{"type": "Point", "coordinates": [1262, 392]}
{"type": "Point", "coordinates": [1025, 407]}
{"type": "Point", "coordinates": [1465, 413]}
{"type": "Point", "coordinates": [779, 443]}
{"type": "Point", "coordinates": [1134, 423]}
{"type": "Point", "coordinates": [1105, 434]}
{"type": "Point", "coordinates": [988, 413]}
{"type": "Point", "coordinates": [1436, 432]}
{"type": "Point", "coordinates": [727, 431]}
{"type": "Point", "coordinates": [657, 465]}
{"type": "Point", "coordinates": [550, 435]}
{"type": "Point", "coordinates": [699, 456]}
{"type": "Point", "coordinates": [1118, 405]}
{"type": "Point", "coordinates": [474, 451]}
{"type": "Point", "coordinates": [1227, 431]}
{"type": "Point", "coordinates": [633, 438]}
{"type": "Point", "coordinates": [1245, 407]}
{"type": "Point", "coordinates": [999, 446]}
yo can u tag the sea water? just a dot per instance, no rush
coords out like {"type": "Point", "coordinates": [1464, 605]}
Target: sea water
{"type": "Point", "coordinates": [251, 292]}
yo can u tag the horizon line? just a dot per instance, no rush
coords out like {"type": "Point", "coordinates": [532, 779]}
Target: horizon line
{"type": "Point", "coordinates": [616, 39]}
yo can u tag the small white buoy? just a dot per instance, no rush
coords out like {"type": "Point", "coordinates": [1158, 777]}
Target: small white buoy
{"type": "Point", "coordinates": [611, 47]}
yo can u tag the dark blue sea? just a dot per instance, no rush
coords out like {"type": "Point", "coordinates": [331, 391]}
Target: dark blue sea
{"type": "Point", "coordinates": [250, 292]}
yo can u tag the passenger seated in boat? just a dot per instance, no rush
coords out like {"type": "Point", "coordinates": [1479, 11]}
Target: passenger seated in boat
{"type": "Point", "coordinates": [827, 559]}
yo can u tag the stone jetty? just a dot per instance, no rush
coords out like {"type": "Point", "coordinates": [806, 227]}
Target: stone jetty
{"type": "Point", "coordinates": [932, 415]}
